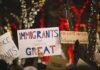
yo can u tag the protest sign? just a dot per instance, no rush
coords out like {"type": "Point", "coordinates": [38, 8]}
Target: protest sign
{"type": "Point", "coordinates": [36, 41]}
{"type": "Point", "coordinates": [72, 36]}
{"type": "Point", "coordinates": [7, 47]}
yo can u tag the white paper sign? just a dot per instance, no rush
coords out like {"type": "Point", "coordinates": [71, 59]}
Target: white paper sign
{"type": "Point", "coordinates": [33, 42]}
{"type": "Point", "coordinates": [72, 36]}
{"type": "Point", "coordinates": [7, 47]}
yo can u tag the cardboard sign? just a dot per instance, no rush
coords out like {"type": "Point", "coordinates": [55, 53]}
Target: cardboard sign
{"type": "Point", "coordinates": [56, 63]}
{"type": "Point", "coordinates": [72, 36]}
{"type": "Point", "coordinates": [33, 42]}
{"type": "Point", "coordinates": [7, 47]}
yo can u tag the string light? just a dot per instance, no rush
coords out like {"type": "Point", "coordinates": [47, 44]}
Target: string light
{"type": "Point", "coordinates": [92, 31]}
{"type": "Point", "coordinates": [75, 16]}
{"type": "Point", "coordinates": [29, 13]}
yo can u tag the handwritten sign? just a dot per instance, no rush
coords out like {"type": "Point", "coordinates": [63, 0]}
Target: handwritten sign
{"type": "Point", "coordinates": [36, 41]}
{"type": "Point", "coordinates": [7, 46]}
{"type": "Point", "coordinates": [72, 36]}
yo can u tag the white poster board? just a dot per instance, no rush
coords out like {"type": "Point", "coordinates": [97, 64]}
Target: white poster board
{"type": "Point", "coordinates": [33, 42]}
{"type": "Point", "coordinates": [72, 36]}
{"type": "Point", "coordinates": [7, 47]}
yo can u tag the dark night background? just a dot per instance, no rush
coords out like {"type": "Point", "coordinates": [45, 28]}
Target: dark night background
{"type": "Point", "coordinates": [14, 5]}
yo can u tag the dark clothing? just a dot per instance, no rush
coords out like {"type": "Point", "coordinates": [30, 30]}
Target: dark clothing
{"type": "Point", "coordinates": [3, 65]}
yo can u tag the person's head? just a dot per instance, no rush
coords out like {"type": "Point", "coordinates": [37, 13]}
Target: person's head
{"type": "Point", "coordinates": [77, 42]}
{"type": "Point", "coordinates": [30, 68]}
